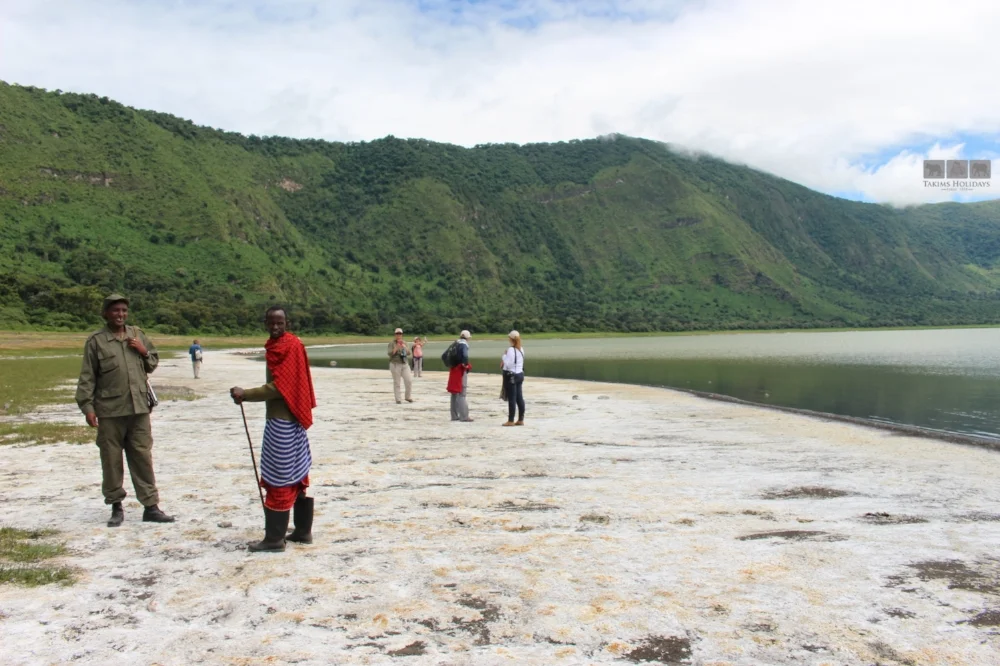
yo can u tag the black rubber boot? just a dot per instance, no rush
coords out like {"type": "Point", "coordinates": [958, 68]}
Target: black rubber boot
{"type": "Point", "coordinates": [303, 519]}
{"type": "Point", "coordinates": [275, 526]}
{"type": "Point", "coordinates": [152, 514]}
{"type": "Point", "coordinates": [117, 515]}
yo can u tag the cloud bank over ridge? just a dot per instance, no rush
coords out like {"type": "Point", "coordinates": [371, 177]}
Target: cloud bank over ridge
{"type": "Point", "coordinates": [844, 97]}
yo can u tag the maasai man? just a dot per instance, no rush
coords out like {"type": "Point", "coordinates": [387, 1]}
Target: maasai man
{"type": "Point", "coordinates": [285, 458]}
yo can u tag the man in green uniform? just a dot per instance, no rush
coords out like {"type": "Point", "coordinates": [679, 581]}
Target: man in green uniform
{"type": "Point", "coordinates": [112, 393]}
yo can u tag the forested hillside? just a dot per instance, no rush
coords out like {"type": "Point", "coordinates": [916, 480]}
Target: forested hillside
{"type": "Point", "coordinates": [203, 228]}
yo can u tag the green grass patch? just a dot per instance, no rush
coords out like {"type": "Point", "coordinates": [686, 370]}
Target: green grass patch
{"type": "Point", "coordinates": [167, 393]}
{"type": "Point", "coordinates": [37, 344]}
{"type": "Point", "coordinates": [27, 546]}
{"type": "Point", "coordinates": [44, 433]}
{"type": "Point", "coordinates": [22, 557]}
{"type": "Point", "coordinates": [35, 576]}
{"type": "Point", "coordinates": [26, 383]}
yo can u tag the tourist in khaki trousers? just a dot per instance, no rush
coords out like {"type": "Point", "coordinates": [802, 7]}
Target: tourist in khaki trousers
{"type": "Point", "coordinates": [196, 354]}
{"type": "Point", "coordinates": [399, 368]}
{"type": "Point", "coordinates": [112, 393]}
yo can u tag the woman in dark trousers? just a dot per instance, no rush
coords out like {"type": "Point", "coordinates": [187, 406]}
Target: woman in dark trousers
{"type": "Point", "coordinates": [512, 364]}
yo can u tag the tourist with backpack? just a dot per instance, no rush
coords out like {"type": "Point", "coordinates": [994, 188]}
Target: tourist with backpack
{"type": "Point", "coordinates": [512, 366]}
{"type": "Point", "coordinates": [196, 355]}
{"type": "Point", "coordinates": [456, 357]}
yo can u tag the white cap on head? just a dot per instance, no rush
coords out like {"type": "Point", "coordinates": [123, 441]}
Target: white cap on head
{"type": "Point", "coordinates": [465, 334]}
{"type": "Point", "coordinates": [513, 335]}
{"type": "Point", "coordinates": [399, 330]}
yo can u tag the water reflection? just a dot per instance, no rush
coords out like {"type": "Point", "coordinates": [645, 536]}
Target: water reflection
{"type": "Point", "coordinates": [942, 379]}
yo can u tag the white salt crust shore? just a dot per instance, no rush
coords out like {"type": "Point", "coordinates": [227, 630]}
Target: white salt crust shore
{"type": "Point", "coordinates": [651, 526]}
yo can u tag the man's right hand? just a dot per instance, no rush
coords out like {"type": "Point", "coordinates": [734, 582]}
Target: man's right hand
{"type": "Point", "coordinates": [92, 419]}
{"type": "Point", "coordinates": [236, 393]}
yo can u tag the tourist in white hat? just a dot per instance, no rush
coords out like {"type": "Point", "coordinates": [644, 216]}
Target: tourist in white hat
{"type": "Point", "coordinates": [458, 379]}
{"type": "Point", "coordinates": [399, 367]}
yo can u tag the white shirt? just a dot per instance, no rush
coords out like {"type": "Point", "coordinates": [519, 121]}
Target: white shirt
{"type": "Point", "coordinates": [513, 360]}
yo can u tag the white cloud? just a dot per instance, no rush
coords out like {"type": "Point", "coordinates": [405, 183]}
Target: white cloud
{"type": "Point", "coordinates": [805, 90]}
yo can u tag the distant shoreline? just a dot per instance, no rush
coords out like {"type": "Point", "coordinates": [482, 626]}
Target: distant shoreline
{"type": "Point", "coordinates": [35, 340]}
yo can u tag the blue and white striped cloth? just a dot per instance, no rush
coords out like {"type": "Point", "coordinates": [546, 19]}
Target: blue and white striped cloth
{"type": "Point", "coordinates": [285, 458]}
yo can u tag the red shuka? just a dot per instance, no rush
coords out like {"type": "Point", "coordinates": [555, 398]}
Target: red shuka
{"type": "Point", "coordinates": [289, 366]}
{"type": "Point", "coordinates": [282, 498]}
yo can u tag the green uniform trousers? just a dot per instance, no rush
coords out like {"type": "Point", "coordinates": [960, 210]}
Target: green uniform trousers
{"type": "Point", "coordinates": [134, 436]}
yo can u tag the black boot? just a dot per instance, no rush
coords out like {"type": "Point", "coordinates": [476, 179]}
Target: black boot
{"type": "Point", "coordinates": [152, 514]}
{"type": "Point", "coordinates": [303, 518]}
{"type": "Point", "coordinates": [275, 526]}
{"type": "Point", "coordinates": [117, 515]}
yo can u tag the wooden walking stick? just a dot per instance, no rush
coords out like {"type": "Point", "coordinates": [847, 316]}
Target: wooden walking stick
{"type": "Point", "coordinates": [250, 444]}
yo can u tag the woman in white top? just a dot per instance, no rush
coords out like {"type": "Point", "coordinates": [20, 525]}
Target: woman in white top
{"type": "Point", "coordinates": [512, 364]}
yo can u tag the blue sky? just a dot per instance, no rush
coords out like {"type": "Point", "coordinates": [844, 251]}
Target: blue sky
{"type": "Point", "coordinates": [531, 15]}
{"type": "Point", "coordinates": [974, 146]}
{"type": "Point", "coordinates": [961, 145]}
{"type": "Point", "coordinates": [805, 90]}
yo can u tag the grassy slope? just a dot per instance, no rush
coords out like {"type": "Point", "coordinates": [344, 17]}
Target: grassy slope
{"type": "Point", "coordinates": [163, 216]}
{"type": "Point", "coordinates": [204, 227]}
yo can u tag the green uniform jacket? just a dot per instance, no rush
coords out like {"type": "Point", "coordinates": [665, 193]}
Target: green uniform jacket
{"type": "Point", "coordinates": [276, 407]}
{"type": "Point", "coordinates": [113, 377]}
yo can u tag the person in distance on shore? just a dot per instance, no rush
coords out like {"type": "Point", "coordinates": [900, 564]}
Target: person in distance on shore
{"type": "Point", "coordinates": [112, 393]}
{"type": "Point", "coordinates": [285, 458]}
{"type": "Point", "coordinates": [458, 380]}
{"type": "Point", "coordinates": [195, 351]}
{"type": "Point", "coordinates": [398, 366]}
{"type": "Point", "coordinates": [512, 366]}
{"type": "Point", "coordinates": [417, 351]}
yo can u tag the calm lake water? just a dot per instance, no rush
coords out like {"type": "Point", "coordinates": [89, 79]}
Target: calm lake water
{"type": "Point", "coordinates": [947, 380]}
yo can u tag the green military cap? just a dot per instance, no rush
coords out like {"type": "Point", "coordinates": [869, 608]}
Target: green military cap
{"type": "Point", "coordinates": [111, 300]}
